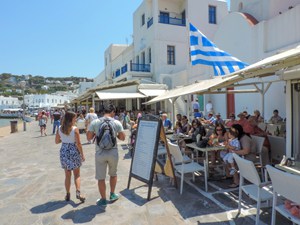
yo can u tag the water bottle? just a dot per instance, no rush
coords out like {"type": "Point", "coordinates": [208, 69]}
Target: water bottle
{"type": "Point", "coordinates": [283, 161]}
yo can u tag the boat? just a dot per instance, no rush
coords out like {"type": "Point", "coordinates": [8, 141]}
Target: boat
{"type": "Point", "coordinates": [11, 113]}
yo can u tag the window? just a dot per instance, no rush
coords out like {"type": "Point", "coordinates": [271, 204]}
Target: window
{"type": "Point", "coordinates": [171, 55]}
{"type": "Point", "coordinates": [137, 60]}
{"type": "Point", "coordinates": [143, 58]}
{"type": "Point", "coordinates": [143, 19]}
{"type": "Point", "coordinates": [52, 100]}
{"type": "Point", "coordinates": [149, 55]}
{"type": "Point", "coordinates": [212, 14]}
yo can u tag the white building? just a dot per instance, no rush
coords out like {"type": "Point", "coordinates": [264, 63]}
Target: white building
{"type": "Point", "coordinates": [48, 100]}
{"type": "Point", "coordinates": [160, 49]}
{"type": "Point", "coordinates": [9, 102]}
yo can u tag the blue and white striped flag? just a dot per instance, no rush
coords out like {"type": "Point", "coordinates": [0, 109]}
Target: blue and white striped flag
{"type": "Point", "coordinates": [203, 51]}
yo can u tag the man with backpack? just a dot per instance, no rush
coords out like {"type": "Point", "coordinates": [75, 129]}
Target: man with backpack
{"type": "Point", "coordinates": [106, 130]}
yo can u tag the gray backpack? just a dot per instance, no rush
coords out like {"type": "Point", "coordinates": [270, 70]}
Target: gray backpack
{"type": "Point", "coordinates": [106, 138]}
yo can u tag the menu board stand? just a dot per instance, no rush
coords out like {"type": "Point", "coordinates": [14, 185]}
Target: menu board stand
{"type": "Point", "coordinates": [149, 131]}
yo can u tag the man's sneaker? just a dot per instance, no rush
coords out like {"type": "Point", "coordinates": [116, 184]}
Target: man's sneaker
{"type": "Point", "coordinates": [102, 202]}
{"type": "Point", "coordinates": [113, 197]}
{"type": "Point", "coordinates": [232, 171]}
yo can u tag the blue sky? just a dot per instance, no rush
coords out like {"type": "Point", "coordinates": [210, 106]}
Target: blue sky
{"type": "Point", "coordinates": [61, 38]}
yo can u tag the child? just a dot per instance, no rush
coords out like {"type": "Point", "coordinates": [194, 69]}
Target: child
{"type": "Point", "coordinates": [234, 145]}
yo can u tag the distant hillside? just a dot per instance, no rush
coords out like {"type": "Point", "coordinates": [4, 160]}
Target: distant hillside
{"type": "Point", "coordinates": [10, 84]}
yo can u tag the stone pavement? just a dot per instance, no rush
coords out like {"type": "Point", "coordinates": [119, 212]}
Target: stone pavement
{"type": "Point", "coordinates": [32, 191]}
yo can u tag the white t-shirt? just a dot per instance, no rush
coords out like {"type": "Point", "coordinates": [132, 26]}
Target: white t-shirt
{"type": "Point", "coordinates": [90, 117]}
{"type": "Point", "coordinates": [209, 107]}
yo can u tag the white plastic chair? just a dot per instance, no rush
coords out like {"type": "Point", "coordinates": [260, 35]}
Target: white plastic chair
{"type": "Point", "coordinates": [286, 185]}
{"type": "Point", "coordinates": [258, 191]}
{"type": "Point", "coordinates": [259, 143]}
{"type": "Point", "coordinates": [262, 126]}
{"type": "Point", "coordinates": [277, 148]}
{"type": "Point", "coordinates": [183, 164]}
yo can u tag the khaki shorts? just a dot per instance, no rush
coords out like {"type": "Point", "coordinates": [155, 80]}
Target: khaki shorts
{"type": "Point", "coordinates": [104, 159]}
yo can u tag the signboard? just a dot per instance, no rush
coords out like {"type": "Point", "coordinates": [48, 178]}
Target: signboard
{"type": "Point", "coordinates": [149, 132]}
{"type": "Point", "coordinates": [145, 147]}
{"type": "Point", "coordinates": [145, 150]}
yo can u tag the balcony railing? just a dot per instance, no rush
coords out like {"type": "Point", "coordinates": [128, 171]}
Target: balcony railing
{"type": "Point", "coordinates": [150, 22]}
{"type": "Point", "coordinates": [140, 67]}
{"type": "Point", "coordinates": [170, 20]}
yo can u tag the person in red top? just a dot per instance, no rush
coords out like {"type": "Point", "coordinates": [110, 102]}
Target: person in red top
{"type": "Point", "coordinates": [243, 122]}
{"type": "Point", "coordinates": [253, 129]}
{"type": "Point", "coordinates": [232, 120]}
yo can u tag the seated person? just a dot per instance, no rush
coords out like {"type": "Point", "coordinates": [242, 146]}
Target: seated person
{"type": "Point", "coordinates": [185, 125]}
{"type": "Point", "coordinates": [178, 127]}
{"type": "Point", "coordinates": [219, 136]}
{"type": "Point", "coordinates": [233, 144]}
{"type": "Point", "coordinates": [166, 122]}
{"type": "Point", "coordinates": [178, 117]}
{"type": "Point", "coordinates": [197, 129]}
{"type": "Point", "coordinates": [275, 118]}
{"type": "Point", "coordinates": [232, 120]}
{"type": "Point", "coordinates": [243, 121]}
{"type": "Point", "coordinates": [253, 129]}
{"type": "Point", "coordinates": [257, 116]}
{"type": "Point", "coordinates": [218, 119]}
{"type": "Point", "coordinates": [197, 115]}
{"type": "Point", "coordinates": [246, 114]}
{"type": "Point", "coordinates": [247, 150]}
{"type": "Point", "coordinates": [210, 119]}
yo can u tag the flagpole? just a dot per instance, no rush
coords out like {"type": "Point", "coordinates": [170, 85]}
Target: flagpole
{"type": "Point", "coordinates": [187, 21]}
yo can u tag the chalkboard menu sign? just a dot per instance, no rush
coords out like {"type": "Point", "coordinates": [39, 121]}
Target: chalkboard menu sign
{"type": "Point", "coordinates": [145, 150]}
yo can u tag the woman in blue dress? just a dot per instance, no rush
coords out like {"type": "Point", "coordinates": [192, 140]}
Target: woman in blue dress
{"type": "Point", "coordinates": [71, 154]}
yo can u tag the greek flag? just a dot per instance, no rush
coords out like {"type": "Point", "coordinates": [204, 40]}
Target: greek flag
{"type": "Point", "coordinates": [203, 51]}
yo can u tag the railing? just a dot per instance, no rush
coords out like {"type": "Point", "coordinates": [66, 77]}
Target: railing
{"type": "Point", "coordinates": [171, 20]}
{"type": "Point", "coordinates": [140, 67]}
{"type": "Point", "coordinates": [124, 69]}
{"type": "Point", "coordinates": [150, 22]}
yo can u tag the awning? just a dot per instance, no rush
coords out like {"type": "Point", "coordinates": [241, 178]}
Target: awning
{"type": "Point", "coordinates": [112, 95]}
{"type": "Point", "coordinates": [269, 66]}
{"type": "Point", "coordinates": [200, 86]}
{"type": "Point", "coordinates": [152, 92]}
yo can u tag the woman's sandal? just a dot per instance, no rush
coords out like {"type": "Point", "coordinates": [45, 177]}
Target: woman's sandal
{"type": "Point", "coordinates": [233, 185]}
{"type": "Point", "coordinates": [79, 196]}
{"type": "Point", "coordinates": [68, 197]}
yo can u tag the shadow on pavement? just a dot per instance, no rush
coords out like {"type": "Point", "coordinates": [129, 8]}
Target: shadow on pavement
{"type": "Point", "coordinates": [133, 197]}
{"type": "Point", "coordinates": [83, 215]}
{"type": "Point", "coordinates": [51, 206]}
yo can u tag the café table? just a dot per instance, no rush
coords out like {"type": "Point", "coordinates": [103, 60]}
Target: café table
{"type": "Point", "coordinates": [205, 150]}
{"type": "Point", "coordinates": [294, 169]}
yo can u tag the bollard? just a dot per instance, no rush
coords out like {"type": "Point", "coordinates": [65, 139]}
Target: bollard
{"type": "Point", "coordinates": [13, 126]}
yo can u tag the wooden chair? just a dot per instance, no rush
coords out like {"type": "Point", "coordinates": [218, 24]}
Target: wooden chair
{"type": "Point", "coordinates": [286, 185]}
{"type": "Point", "coordinates": [184, 164]}
{"type": "Point", "coordinates": [259, 143]}
{"type": "Point", "coordinates": [258, 190]}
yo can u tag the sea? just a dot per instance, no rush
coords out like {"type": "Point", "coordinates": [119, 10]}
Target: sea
{"type": "Point", "coordinates": [6, 122]}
